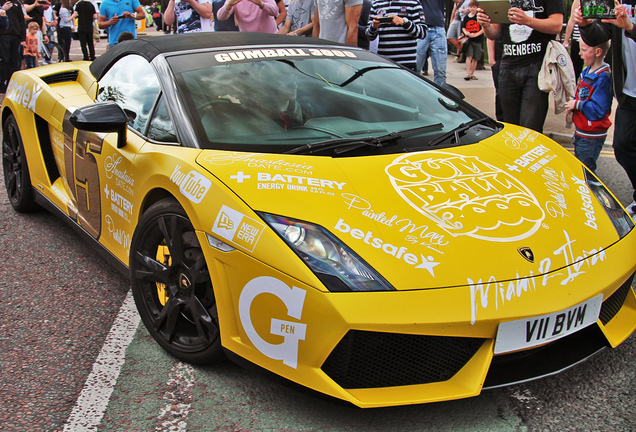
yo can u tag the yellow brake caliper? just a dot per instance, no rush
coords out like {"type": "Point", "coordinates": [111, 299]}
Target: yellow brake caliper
{"type": "Point", "coordinates": [163, 256]}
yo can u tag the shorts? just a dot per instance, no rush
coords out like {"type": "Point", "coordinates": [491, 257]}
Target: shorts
{"type": "Point", "coordinates": [96, 36]}
{"type": "Point", "coordinates": [454, 30]}
{"type": "Point", "coordinates": [473, 50]}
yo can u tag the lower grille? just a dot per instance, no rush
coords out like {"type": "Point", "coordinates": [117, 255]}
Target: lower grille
{"type": "Point", "coordinates": [370, 359]}
{"type": "Point", "coordinates": [614, 303]}
{"type": "Point", "coordinates": [545, 360]}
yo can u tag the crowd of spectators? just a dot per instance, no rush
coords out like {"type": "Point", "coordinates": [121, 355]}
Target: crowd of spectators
{"type": "Point", "coordinates": [410, 32]}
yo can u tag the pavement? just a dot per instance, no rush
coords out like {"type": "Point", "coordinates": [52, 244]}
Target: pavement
{"type": "Point", "coordinates": [481, 94]}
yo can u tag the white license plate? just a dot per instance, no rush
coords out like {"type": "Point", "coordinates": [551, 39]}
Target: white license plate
{"type": "Point", "coordinates": [529, 332]}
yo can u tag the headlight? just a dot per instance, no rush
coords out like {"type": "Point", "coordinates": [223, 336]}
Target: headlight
{"type": "Point", "coordinates": [337, 266]}
{"type": "Point", "coordinates": [621, 220]}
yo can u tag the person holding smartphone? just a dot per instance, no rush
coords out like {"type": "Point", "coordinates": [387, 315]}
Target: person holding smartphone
{"type": "Point", "coordinates": [622, 32]}
{"type": "Point", "coordinates": [532, 26]}
{"type": "Point", "coordinates": [119, 17]}
{"type": "Point", "coordinates": [398, 25]}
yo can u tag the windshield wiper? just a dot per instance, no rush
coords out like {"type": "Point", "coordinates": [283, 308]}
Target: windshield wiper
{"type": "Point", "coordinates": [362, 71]}
{"type": "Point", "coordinates": [344, 145]}
{"type": "Point", "coordinates": [458, 130]}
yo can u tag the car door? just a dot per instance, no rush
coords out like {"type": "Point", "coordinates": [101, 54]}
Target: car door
{"type": "Point", "coordinates": [102, 188]}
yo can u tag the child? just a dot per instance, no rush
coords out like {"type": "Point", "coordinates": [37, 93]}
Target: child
{"type": "Point", "coordinates": [124, 36]}
{"type": "Point", "coordinates": [472, 29]}
{"type": "Point", "coordinates": [31, 51]}
{"type": "Point", "coordinates": [592, 104]}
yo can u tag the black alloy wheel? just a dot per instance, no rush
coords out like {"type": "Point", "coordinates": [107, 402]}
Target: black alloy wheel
{"type": "Point", "coordinates": [171, 284]}
{"type": "Point", "coordinates": [16, 171]}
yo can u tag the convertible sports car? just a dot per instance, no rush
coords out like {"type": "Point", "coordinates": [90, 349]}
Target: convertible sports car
{"type": "Point", "coordinates": [322, 213]}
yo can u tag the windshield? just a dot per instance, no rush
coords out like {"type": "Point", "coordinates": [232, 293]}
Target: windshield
{"type": "Point", "coordinates": [275, 104]}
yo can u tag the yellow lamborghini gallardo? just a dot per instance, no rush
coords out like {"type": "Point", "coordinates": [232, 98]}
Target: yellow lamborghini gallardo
{"type": "Point", "coordinates": [325, 214]}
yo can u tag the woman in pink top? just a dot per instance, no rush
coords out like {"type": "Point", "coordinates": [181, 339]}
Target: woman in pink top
{"type": "Point", "coordinates": [251, 15]}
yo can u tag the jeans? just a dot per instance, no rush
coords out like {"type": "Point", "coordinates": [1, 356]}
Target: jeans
{"type": "Point", "coordinates": [587, 150]}
{"type": "Point", "coordinates": [10, 60]}
{"type": "Point", "coordinates": [30, 61]}
{"type": "Point", "coordinates": [625, 138]}
{"type": "Point", "coordinates": [66, 36]}
{"type": "Point", "coordinates": [522, 102]}
{"type": "Point", "coordinates": [434, 45]}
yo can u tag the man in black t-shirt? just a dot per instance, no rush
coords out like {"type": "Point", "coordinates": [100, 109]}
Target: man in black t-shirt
{"type": "Point", "coordinates": [86, 15]}
{"type": "Point", "coordinates": [534, 24]}
{"type": "Point", "coordinates": [35, 10]}
{"type": "Point", "coordinates": [10, 40]}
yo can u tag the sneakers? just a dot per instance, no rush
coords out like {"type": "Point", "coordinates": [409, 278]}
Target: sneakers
{"type": "Point", "coordinates": [631, 209]}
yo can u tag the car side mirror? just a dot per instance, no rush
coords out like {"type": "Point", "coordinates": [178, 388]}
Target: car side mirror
{"type": "Point", "coordinates": [102, 117]}
{"type": "Point", "coordinates": [453, 91]}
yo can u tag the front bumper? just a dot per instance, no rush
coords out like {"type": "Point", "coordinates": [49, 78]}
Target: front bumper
{"type": "Point", "coordinates": [405, 347]}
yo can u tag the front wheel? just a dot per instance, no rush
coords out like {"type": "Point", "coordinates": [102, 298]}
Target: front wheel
{"type": "Point", "coordinates": [15, 168]}
{"type": "Point", "coordinates": [171, 284]}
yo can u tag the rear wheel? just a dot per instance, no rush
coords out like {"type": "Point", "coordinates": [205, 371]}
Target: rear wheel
{"type": "Point", "coordinates": [15, 168]}
{"type": "Point", "coordinates": [171, 284]}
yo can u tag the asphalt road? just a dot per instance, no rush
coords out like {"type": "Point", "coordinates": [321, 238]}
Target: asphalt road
{"type": "Point", "coordinates": [58, 302]}
{"type": "Point", "coordinates": [71, 356]}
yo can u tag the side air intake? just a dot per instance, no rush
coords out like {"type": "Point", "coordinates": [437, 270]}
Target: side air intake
{"type": "Point", "coordinates": [61, 77]}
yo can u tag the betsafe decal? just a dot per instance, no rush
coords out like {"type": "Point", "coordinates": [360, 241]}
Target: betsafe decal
{"type": "Point", "coordinates": [291, 331]}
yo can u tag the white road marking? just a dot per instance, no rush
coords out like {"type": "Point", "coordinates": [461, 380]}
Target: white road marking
{"type": "Point", "coordinates": [174, 416]}
{"type": "Point", "coordinates": [93, 400]}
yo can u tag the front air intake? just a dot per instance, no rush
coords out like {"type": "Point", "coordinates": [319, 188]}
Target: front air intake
{"type": "Point", "coordinates": [365, 359]}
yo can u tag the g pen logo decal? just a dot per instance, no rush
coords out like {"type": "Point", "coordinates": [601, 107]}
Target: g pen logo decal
{"type": "Point", "coordinates": [527, 253]}
{"type": "Point", "coordinates": [291, 331]}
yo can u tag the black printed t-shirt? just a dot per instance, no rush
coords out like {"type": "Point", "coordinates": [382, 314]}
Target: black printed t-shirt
{"type": "Point", "coordinates": [472, 25]}
{"type": "Point", "coordinates": [37, 13]}
{"type": "Point", "coordinates": [522, 45]}
{"type": "Point", "coordinates": [85, 11]}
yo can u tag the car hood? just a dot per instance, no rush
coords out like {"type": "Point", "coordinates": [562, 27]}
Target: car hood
{"type": "Point", "coordinates": [513, 206]}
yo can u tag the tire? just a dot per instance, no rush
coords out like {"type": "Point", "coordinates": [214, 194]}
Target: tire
{"type": "Point", "coordinates": [15, 168]}
{"type": "Point", "coordinates": [171, 285]}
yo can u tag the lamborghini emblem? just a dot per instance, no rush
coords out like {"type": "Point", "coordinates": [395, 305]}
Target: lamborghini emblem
{"type": "Point", "coordinates": [526, 252]}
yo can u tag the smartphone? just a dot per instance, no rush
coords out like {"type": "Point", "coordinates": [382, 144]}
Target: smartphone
{"type": "Point", "coordinates": [598, 9]}
{"type": "Point", "coordinates": [385, 19]}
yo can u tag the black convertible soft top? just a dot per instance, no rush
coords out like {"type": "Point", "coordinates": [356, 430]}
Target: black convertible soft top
{"type": "Point", "coordinates": [150, 47]}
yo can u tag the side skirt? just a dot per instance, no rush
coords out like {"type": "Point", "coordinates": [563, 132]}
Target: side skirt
{"type": "Point", "coordinates": [95, 245]}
